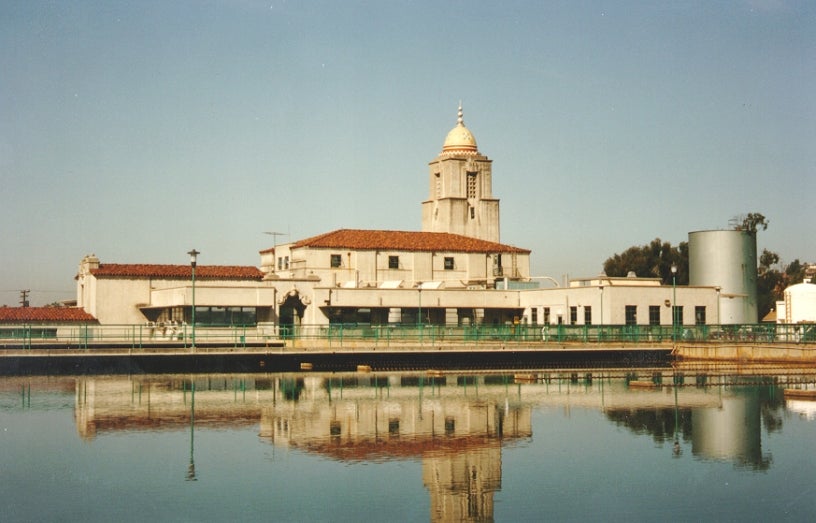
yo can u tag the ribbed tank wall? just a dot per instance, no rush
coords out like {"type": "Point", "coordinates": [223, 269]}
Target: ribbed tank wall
{"type": "Point", "coordinates": [728, 260]}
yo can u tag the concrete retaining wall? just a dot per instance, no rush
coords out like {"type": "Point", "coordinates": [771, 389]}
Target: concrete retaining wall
{"type": "Point", "coordinates": [779, 352]}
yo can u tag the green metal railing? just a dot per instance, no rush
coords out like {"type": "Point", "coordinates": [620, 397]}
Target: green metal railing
{"type": "Point", "coordinates": [140, 335]}
{"type": "Point", "coordinates": [753, 333]}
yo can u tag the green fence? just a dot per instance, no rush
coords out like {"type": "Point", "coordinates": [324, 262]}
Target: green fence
{"type": "Point", "coordinates": [138, 336]}
{"type": "Point", "coordinates": [132, 336]}
{"type": "Point", "coordinates": [754, 333]}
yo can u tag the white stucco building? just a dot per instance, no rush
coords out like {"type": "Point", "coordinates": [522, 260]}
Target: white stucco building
{"type": "Point", "coordinates": [454, 271]}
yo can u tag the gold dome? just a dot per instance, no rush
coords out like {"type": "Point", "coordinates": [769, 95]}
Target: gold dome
{"type": "Point", "coordinates": [460, 139]}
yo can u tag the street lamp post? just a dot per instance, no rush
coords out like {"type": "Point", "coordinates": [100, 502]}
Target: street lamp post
{"type": "Point", "coordinates": [419, 310]}
{"type": "Point", "coordinates": [193, 256]}
{"type": "Point", "coordinates": [674, 302]}
{"type": "Point", "coordinates": [600, 332]}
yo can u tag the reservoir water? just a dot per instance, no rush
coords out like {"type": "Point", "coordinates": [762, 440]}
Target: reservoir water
{"type": "Point", "coordinates": [543, 446]}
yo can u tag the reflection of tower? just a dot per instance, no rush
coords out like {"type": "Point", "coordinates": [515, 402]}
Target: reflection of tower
{"type": "Point", "coordinates": [84, 411]}
{"type": "Point", "coordinates": [461, 486]}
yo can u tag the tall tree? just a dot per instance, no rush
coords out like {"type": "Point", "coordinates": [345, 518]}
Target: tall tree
{"type": "Point", "coordinates": [653, 260]}
{"type": "Point", "coordinates": [769, 282]}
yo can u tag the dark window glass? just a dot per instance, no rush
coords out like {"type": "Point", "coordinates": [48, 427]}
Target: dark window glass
{"type": "Point", "coordinates": [631, 314]}
{"type": "Point", "coordinates": [700, 315]}
{"type": "Point", "coordinates": [336, 260]}
{"type": "Point", "coordinates": [393, 262]}
{"type": "Point", "coordinates": [448, 263]}
{"type": "Point", "coordinates": [654, 314]}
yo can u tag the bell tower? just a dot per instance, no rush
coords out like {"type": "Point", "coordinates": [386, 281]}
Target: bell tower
{"type": "Point", "coordinates": [460, 200]}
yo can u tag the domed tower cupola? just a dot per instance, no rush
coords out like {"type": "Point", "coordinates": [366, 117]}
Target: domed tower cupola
{"type": "Point", "coordinates": [460, 140]}
{"type": "Point", "coordinates": [461, 189]}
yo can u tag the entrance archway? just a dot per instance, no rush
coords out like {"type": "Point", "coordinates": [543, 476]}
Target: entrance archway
{"type": "Point", "coordinates": [291, 309]}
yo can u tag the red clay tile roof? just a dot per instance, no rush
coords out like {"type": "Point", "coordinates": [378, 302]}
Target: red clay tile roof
{"type": "Point", "coordinates": [44, 314]}
{"type": "Point", "coordinates": [405, 241]}
{"type": "Point", "coordinates": [172, 272]}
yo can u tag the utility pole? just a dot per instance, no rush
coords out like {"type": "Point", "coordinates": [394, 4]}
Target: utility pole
{"type": "Point", "coordinates": [24, 297]}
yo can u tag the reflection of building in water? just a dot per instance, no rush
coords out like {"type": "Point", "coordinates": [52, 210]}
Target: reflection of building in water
{"type": "Point", "coordinates": [732, 431]}
{"type": "Point", "coordinates": [462, 485]}
{"type": "Point", "coordinates": [726, 428]}
{"type": "Point", "coordinates": [109, 404]}
{"type": "Point", "coordinates": [456, 431]}
{"type": "Point", "coordinates": [455, 425]}
{"type": "Point", "coordinates": [805, 408]}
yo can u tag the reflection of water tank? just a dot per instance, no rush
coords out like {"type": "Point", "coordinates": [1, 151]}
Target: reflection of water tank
{"type": "Point", "coordinates": [728, 260]}
{"type": "Point", "coordinates": [731, 432]}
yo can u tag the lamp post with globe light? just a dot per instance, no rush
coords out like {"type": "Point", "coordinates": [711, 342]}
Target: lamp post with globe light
{"type": "Point", "coordinates": [674, 302]}
{"type": "Point", "coordinates": [193, 259]}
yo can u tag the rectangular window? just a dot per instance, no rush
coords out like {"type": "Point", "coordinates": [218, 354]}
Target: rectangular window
{"type": "Point", "coordinates": [220, 316]}
{"type": "Point", "coordinates": [654, 314]}
{"type": "Point", "coordinates": [573, 315]}
{"type": "Point", "coordinates": [438, 184]}
{"type": "Point", "coordinates": [448, 263]}
{"type": "Point", "coordinates": [393, 262]}
{"type": "Point", "coordinates": [587, 315]}
{"type": "Point", "coordinates": [631, 314]}
{"type": "Point", "coordinates": [472, 212]}
{"type": "Point", "coordinates": [546, 315]}
{"type": "Point", "coordinates": [336, 260]}
{"type": "Point", "coordinates": [678, 314]}
{"type": "Point", "coordinates": [286, 263]}
{"type": "Point", "coordinates": [700, 315]}
{"type": "Point", "coordinates": [534, 315]}
{"type": "Point", "coordinates": [280, 263]}
{"type": "Point", "coordinates": [471, 185]}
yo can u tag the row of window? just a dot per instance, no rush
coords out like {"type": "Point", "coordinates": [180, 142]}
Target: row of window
{"type": "Point", "coordinates": [678, 317]}
{"type": "Point", "coordinates": [226, 316]}
{"type": "Point", "coordinates": [336, 261]}
{"type": "Point", "coordinates": [630, 312]}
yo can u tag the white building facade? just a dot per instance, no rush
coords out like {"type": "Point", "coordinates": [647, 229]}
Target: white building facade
{"type": "Point", "coordinates": [453, 272]}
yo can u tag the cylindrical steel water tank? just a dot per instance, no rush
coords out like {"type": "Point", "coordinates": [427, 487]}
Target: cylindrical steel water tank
{"type": "Point", "coordinates": [728, 260]}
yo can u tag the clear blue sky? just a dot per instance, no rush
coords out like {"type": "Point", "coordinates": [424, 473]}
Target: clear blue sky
{"type": "Point", "coordinates": [139, 130]}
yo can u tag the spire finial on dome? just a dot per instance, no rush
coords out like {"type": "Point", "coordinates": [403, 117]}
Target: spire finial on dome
{"type": "Point", "coordinates": [459, 139]}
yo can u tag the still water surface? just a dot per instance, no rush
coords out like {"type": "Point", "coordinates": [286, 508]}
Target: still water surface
{"type": "Point", "coordinates": [403, 447]}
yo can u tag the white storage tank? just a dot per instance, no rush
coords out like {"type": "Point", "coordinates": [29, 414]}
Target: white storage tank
{"type": "Point", "coordinates": [726, 259]}
{"type": "Point", "coordinates": [800, 303]}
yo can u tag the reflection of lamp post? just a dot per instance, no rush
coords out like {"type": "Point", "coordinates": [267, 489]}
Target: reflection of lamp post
{"type": "Point", "coordinates": [676, 450]}
{"type": "Point", "coordinates": [193, 255]}
{"type": "Point", "coordinates": [191, 475]}
{"type": "Point", "coordinates": [674, 302]}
